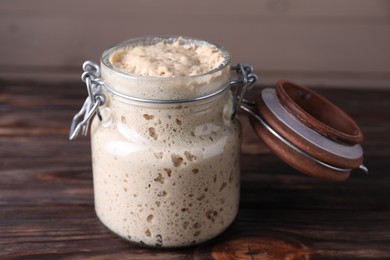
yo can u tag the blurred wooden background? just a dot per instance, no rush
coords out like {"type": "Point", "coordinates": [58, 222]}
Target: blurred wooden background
{"type": "Point", "coordinates": [317, 42]}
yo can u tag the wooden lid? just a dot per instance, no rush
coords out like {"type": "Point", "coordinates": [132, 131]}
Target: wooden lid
{"type": "Point", "coordinates": [318, 113]}
{"type": "Point", "coordinates": [307, 131]}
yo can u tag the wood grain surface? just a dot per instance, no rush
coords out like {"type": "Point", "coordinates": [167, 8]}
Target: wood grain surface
{"type": "Point", "coordinates": [46, 198]}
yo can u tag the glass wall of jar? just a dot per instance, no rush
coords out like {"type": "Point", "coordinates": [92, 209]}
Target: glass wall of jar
{"type": "Point", "coordinates": [165, 154]}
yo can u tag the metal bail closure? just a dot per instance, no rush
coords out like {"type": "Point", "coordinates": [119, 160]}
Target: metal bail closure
{"type": "Point", "coordinates": [91, 104]}
{"type": "Point", "coordinates": [307, 131]}
{"type": "Point", "coordinates": [246, 79]}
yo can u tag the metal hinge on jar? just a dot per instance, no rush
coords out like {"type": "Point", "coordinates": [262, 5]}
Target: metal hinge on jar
{"type": "Point", "coordinates": [245, 81]}
{"type": "Point", "coordinates": [92, 103]}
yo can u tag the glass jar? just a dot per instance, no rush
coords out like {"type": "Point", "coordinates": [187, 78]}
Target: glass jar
{"type": "Point", "coordinates": [165, 153]}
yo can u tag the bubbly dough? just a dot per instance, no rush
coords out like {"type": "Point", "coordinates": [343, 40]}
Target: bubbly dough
{"type": "Point", "coordinates": [178, 58]}
{"type": "Point", "coordinates": [167, 175]}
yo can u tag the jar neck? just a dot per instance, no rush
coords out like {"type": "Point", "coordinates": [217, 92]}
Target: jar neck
{"type": "Point", "coordinates": [217, 110]}
{"type": "Point", "coordinates": [170, 89]}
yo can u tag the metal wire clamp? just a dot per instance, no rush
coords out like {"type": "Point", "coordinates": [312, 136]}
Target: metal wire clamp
{"type": "Point", "coordinates": [91, 104]}
{"type": "Point", "coordinates": [246, 80]}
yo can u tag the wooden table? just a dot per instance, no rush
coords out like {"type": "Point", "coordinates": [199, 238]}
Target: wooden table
{"type": "Point", "coordinates": [46, 198]}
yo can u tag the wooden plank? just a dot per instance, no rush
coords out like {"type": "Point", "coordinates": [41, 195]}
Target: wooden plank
{"type": "Point", "coordinates": [64, 232]}
{"type": "Point", "coordinates": [46, 192]}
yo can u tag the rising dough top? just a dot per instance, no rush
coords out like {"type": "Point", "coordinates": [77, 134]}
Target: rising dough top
{"type": "Point", "coordinates": [167, 58]}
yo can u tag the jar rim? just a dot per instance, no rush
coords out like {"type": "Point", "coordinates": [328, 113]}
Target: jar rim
{"type": "Point", "coordinates": [149, 40]}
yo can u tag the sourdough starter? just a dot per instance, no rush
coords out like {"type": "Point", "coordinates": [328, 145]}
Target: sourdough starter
{"type": "Point", "coordinates": [166, 174]}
